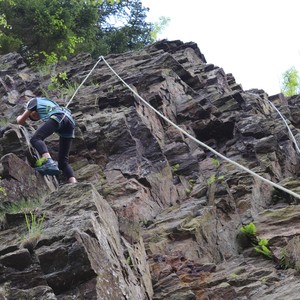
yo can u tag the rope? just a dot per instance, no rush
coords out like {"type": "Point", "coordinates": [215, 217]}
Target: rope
{"type": "Point", "coordinates": [199, 142]}
{"type": "Point", "coordinates": [287, 126]}
{"type": "Point", "coordinates": [190, 136]}
{"type": "Point", "coordinates": [32, 150]}
{"type": "Point", "coordinates": [86, 77]}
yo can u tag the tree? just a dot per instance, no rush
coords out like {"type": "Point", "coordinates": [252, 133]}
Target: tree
{"type": "Point", "coordinates": [123, 26]}
{"type": "Point", "coordinates": [159, 26]}
{"type": "Point", "coordinates": [50, 30]}
{"type": "Point", "coordinates": [7, 43]}
{"type": "Point", "coordinates": [45, 28]}
{"type": "Point", "coordinates": [291, 82]}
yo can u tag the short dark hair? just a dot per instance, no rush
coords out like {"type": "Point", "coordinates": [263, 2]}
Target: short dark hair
{"type": "Point", "coordinates": [32, 104]}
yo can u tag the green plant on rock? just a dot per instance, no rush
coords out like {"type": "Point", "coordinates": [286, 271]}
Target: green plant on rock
{"type": "Point", "coordinates": [191, 183]}
{"type": "Point", "coordinates": [284, 261]}
{"type": "Point", "coordinates": [3, 195]}
{"type": "Point", "coordinates": [60, 83]}
{"type": "Point", "coordinates": [215, 177]}
{"type": "Point", "coordinates": [3, 191]}
{"type": "Point", "coordinates": [216, 162]}
{"type": "Point", "coordinates": [129, 261]}
{"type": "Point", "coordinates": [260, 245]}
{"type": "Point", "coordinates": [57, 81]}
{"type": "Point", "coordinates": [3, 121]}
{"type": "Point", "coordinates": [234, 276]}
{"type": "Point", "coordinates": [287, 261]}
{"type": "Point", "coordinates": [34, 224]}
{"type": "Point", "coordinates": [44, 70]}
{"type": "Point", "coordinates": [69, 89]}
{"type": "Point", "coordinates": [249, 229]}
{"type": "Point", "coordinates": [23, 206]}
{"type": "Point", "coordinates": [18, 207]}
{"type": "Point", "coordinates": [175, 167]}
{"type": "Point", "coordinates": [262, 248]}
{"type": "Point", "coordinates": [297, 267]}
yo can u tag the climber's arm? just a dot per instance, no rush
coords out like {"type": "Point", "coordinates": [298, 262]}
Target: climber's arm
{"type": "Point", "coordinates": [22, 118]}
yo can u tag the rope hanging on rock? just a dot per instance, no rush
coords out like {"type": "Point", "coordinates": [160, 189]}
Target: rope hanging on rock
{"type": "Point", "coordinates": [186, 133]}
{"type": "Point", "coordinates": [84, 80]}
{"type": "Point", "coordinates": [287, 126]}
{"type": "Point", "coordinates": [33, 152]}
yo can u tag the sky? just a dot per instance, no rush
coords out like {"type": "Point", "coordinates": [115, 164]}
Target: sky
{"type": "Point", "coordinates": [255, 40]}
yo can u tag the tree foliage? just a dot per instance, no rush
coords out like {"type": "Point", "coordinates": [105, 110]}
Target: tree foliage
{"type": "Point", "coordinates": [291, 82]}
{"type": "Point", "coordinates": [50, 30]}
{"type": "Point", "coordinates": [159, 26]}
{"type": "Point", "coordinates": [122, 27]}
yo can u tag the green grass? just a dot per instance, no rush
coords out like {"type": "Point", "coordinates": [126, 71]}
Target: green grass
{"type": "Point", "coordinates": [22, 206]}
{"type": "Point", "coordinates": [34, 224]}
{"type": "Point", "coordinates": [19, 207]}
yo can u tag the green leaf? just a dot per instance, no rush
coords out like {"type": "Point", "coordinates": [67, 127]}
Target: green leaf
{"type": "Point", "coordinates": [264, 250]}
{"type": "Point", "coordinates": [249, 229]}
{"type": "Point", "coordinates": [263, 242]}
{"type": "Point", "coordinates": [211, 179]}
{"type": "Point", "coordinates": [291, 82]}
{"type": "Point", "coordinates": [216, 162]}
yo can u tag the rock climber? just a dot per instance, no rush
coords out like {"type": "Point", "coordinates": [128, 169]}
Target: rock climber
{"type": "Point", "coordinates": [56, 119]}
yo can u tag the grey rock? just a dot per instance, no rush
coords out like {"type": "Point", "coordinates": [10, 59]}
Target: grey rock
{"type": "Point", "coordinates": [155, 215]}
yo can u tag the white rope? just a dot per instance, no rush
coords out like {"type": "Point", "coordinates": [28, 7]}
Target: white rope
{"type": "Point", "coordinates": [32, 150]}
{"type": "Point", "coordinates": [199, 142]}
{"type": "Point", "coordinates": [190, 136]}
{"type": "Point", "coordinates": [287, 126]}
{"type": "Point", "coordinates": [87, 76]}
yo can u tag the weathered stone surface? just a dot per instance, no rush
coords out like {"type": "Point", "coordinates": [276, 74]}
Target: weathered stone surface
{"type": "Point", "coordinates": [18, 260]}
{"type": "Point", "coordinates": [156, 216]}
{"type": "Point", "coordinates": [20, 182]}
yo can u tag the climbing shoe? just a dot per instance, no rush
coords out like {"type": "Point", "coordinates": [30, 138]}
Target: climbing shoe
{"type": "Point", "coordinates": [48, 168]}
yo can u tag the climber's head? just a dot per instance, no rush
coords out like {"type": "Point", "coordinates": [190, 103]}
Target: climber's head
{"type": "Point", "coordinates": [31, 105]}
{"type": "Point", "coordinates": [34, 116]}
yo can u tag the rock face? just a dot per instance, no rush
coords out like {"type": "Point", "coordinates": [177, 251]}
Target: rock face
{"type": "Point", "coordinates": [154, 215]}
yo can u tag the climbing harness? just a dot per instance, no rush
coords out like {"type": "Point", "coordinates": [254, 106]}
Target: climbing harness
{"type": "Point", "coordinates": [183, 131]}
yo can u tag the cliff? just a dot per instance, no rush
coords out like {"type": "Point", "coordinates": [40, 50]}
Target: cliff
{"type": "Point", "coordinates": [154, 215]}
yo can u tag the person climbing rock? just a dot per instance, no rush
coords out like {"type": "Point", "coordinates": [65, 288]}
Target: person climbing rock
{"type": "Point", "coordinates": [56, 119]}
